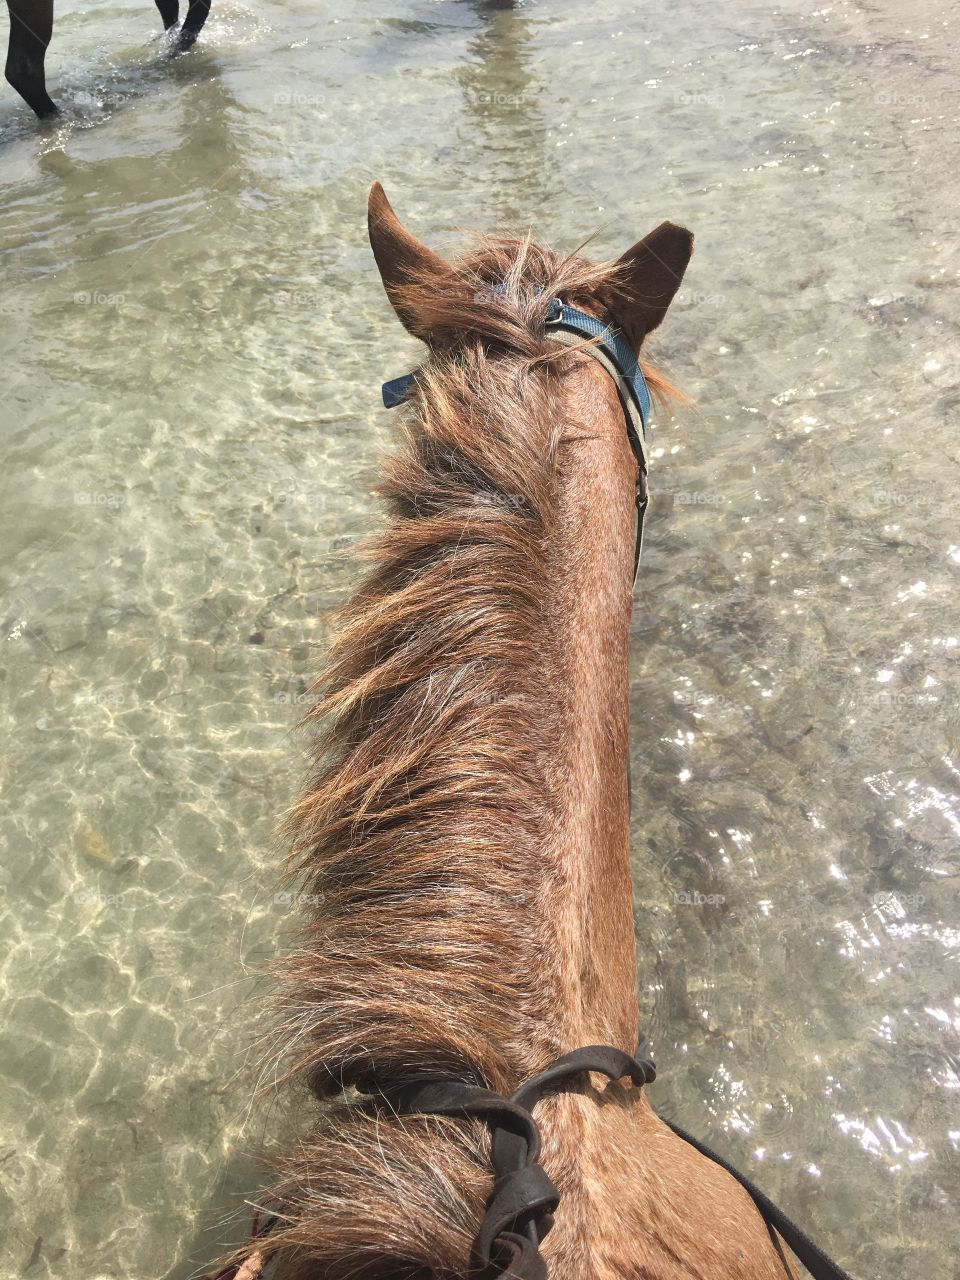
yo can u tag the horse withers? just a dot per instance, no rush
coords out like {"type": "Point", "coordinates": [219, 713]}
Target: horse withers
{"type": "Point", "coordinates": [31, 27]}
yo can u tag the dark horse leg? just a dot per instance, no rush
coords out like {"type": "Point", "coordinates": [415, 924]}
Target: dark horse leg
{"type": "Point", "coordinates": [169, 12]}
{"type": "Point", "coordinates": [31, 26]}
{"type": "Point", "coordinates": [192, 23]}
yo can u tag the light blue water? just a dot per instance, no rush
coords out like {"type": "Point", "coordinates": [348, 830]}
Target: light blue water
{"type": "Point", "coordinates": [193, 340]}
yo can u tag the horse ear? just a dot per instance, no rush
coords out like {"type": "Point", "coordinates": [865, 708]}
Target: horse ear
{"type": "Point", "coordinates": [650, 274]}
{"type": "Point", "coordinates": [402, 259]}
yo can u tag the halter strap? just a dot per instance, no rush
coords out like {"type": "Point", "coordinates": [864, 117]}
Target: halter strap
{"type": "Point", "coordinates": [619, 360]}
{"type": "Point", "coordinates": [605, 344]}
{"type": "Point", "coordinates": [630, 401]}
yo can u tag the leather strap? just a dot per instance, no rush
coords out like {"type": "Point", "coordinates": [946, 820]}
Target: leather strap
{"type": "Point", "coordinates": [521, 1207]}
{"type": "Point", "coordinates": [820, 1266]}
{"type": "Point", "coordinates": [619, 356]}
{"type": "Point", "coordinates": [629, 402]}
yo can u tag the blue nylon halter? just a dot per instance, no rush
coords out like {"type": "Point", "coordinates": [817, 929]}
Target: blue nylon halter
{"type": "Point", "coordinates": [560, 316]}
{"type": "Point", "coordinates": [612, 343]}
{"type": "Point", "coordinates": [618, 359]}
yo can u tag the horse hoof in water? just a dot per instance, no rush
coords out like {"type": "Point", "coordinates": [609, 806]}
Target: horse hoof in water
{"type": "Point", "coordinates": [183, 43]}
{"type": "Point", "coordinates": [192, 25]}
{"type": "Point", "coordinates": [29, 83]}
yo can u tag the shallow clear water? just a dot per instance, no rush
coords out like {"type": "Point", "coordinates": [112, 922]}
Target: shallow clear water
{"type": "Point", "coordinates": [194, 337]}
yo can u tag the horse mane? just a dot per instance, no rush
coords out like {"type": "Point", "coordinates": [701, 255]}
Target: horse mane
{"type": "Point", "coordinates": [424, 835]}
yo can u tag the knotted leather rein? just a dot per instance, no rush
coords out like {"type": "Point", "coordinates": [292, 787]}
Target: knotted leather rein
{"type": "Point", "coordinates": [522, 1204]}
{"type": "Point", "coordinates": [520, 1210]}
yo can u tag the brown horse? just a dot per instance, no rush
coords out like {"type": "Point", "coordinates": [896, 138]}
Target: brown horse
{"type": "Point", "coordinates": [466, 828]}
{"type": "Point", "coordinates": [31, 26]}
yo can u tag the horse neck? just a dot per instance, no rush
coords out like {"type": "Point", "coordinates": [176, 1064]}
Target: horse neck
{"type": "Point", "coordinates": [466, 833]}
{"type": "Point", "coordinates": [589, 893]}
